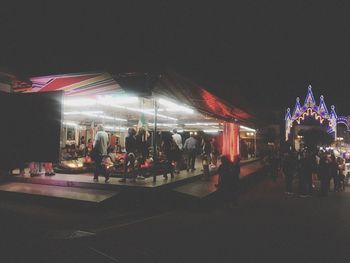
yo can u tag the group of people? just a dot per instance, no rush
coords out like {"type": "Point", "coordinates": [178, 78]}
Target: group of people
{"type": "Point", "coordinates": [136, 152]}
{"type": "Point", "coordinates": [310, 167]}
{"type": "Point", "coordinates": [177, 152]}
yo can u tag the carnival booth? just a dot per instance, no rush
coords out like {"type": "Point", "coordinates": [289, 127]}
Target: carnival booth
{"type": "Point", "coordinates": [155, 104]}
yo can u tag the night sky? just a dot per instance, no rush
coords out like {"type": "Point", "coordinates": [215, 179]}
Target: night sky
{"type": "Point", "coordinates": [267, 52]}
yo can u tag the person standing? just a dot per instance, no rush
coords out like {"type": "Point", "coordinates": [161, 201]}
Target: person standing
{"type": "Point", "coordinates": [129, 157]}
{"type": "Point", "coordinates": [177, 152]}
{"type": "Point", "coordinates": [289, 168]}
{"type": "Point", "coordinates": [214, 152]}
{"type": "Point", "coordinates": [141, 151]}
{"type": "Point", "coordinates": [333, 169]}
{"type": "Point", "coordinates": [190, 148]}
{"type": "Point", "coordinates": [274, 166]}
{"type": "Point", "coordinates": [341, 175]}
{"type": "Point", "coordinates": [324, 172]}
{"type": "Point", "coordinates": [228, 181]}
{"type": "Point", "coordinates": [100, 148]}
{"type": "Point", "coordinates": [167, 149]}
{"type": "Point", "coordinates": [306, 169]}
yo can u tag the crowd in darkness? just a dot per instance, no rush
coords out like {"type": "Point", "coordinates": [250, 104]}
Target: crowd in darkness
{"type": "Point", "coordinates": [308, 168]}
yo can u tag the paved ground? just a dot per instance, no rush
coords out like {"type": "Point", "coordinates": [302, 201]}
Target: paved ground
{"type": "Point", "coordinates": [266, 227]}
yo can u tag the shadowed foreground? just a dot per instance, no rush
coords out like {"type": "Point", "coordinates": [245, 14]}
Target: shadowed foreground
{"type": "Point", "coordinates": [266, 227]}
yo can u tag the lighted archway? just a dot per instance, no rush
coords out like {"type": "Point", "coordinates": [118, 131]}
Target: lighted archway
{"type": "Point", "coordinates": [319, 112]}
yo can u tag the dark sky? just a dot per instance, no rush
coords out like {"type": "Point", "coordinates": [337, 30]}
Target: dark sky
{"type": "Point", "coordinates": [266, 51]}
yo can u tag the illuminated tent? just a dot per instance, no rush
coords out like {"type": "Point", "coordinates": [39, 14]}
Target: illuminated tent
{"type": "Point", "coordinates": [184, 93]}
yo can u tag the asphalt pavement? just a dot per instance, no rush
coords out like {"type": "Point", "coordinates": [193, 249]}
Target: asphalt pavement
{"type": "Point", "coordinates": [267, 226]}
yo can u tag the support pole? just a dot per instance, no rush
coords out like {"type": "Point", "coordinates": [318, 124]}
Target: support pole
{"type": "Point", "coordinates": [155, 156]}
{"type": "Point", "coordinates": [255, 144]}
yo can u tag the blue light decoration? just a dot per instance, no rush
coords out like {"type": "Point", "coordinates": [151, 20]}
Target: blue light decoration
{"type": "Point", "coordinates": [318, 112]}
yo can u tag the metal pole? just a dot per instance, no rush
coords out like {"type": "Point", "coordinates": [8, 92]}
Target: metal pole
{"type": "Point", "coordinates": [155, 157]}
{"type": "Point", "coordinates": [255, 144]}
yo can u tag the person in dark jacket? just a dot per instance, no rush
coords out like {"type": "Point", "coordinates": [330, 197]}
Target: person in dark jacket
{"type": "Point", "coordinates": [141, 150]}
{"type": "Point", "coordinates": [324, 172]}
{"type": "Point", "coordinates": [333, 169]}
{"type": "Point", "coordinates": [306, 169]}
{"type": "Point", "coordinates": [168, 145]}
{"type": "Point", "coordinates": [129, 157]}
{"type": "Point", "coordinates": [289, 170]}
{"type": "Point", "coordinates": [228, 180]}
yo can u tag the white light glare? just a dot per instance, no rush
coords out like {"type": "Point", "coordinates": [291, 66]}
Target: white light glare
{"type": "Point", "coordinates": [247, 128]}
{"type": "Point", "coordinates": [202, 124]}
{"type": "Point", "coordinates": [211, 131]}
{"type": "Point", "coordinates": [106, 100]}
{"type": "Point", "coordinates": [82, 112]}
{"type": "Point", "coordinates": [163, 124]}
{"type": "Point", "coordinates": [104, 117]}
{"type": "Point", "coordinates": [113, 128]}
{"type": "Point", "coordinates": [70, 123]}
{"type": "Point", "coordinates": [96, 114]}
{"type": "Point", "coordinates": [171, 106]}
{"type": "Point", "coordinates": [79, 102]}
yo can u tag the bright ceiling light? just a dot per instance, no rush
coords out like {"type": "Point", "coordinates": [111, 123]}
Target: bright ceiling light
{"type": "Point", "coordinates": [107, 101]}
{"type": "Point", "coordinates": [70, 123]}
{"type": "Point", "coordinates": [79, 102]}
{"type": "Point", "coordinates": [95, 114]}
{"type": "Point", "coordinates": [114, 128]}
{"type": "Point", "coordinates": [106, 117]}
{"type": "Point", "coordinates": [171, 106]}
{"type": "Point", "coordinates": [163, 124]}
{"type": "Point", "coordinates": [119, 99]}
{"type": "Point", "coordinates": [211, 131]}
{"type": "Point", "coordinates": [244, 128]}
{"type": "Point", "coordinates": [202, 124]}
{"type": "Point", "coordinates": [82, 112]}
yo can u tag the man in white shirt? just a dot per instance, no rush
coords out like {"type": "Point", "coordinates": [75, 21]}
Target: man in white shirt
{"type": "Point", "coordinates": [178, 155]}
{"type": "Point", "coordinates": [100, 146]}
{"type": "Point", "coordinates": [177, 139]}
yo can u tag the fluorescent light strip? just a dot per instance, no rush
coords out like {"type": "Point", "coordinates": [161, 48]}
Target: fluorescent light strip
{"type": "Point", "coordinates": [247, 128]}
{"type": "Point", "coordinates": [79, 102]}
{"type": "Point", "coordinates": [96, 114]}
{"type": "Point", "coordinates": [163, 124]}
{"type": "Point", "coordinates": [104, 117]}
{"type": "Point", "coordinates": [70, 123]}
{"type": "Point", "coordinates": [92, 101]}
{"type": "Point", "coordinates": [171, 106]}
{"type": "Point", "coordinates": [211, 131]}
{"type": "Point", "coordinates": [82, 112]}
{"type": "Point", "coordinates": [106, 101]}
{"type": "Point", "coordinates": [113, 128]}
{"type": "Point", "coordinates": [202, 124]}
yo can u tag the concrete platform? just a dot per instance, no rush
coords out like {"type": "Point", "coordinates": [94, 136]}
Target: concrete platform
{"type": "Point", "coordinates": [86, 181]}
{"type": "Point", "coordinates": [204, 188]}
{"type": "Point", "coordinates": [57, 192]}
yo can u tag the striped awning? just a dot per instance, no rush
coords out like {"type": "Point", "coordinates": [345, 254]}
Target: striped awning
{"type": "Point", "coordinates": [80, 84]}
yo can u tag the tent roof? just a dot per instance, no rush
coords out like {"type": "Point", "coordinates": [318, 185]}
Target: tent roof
{"type": "Point", "coordinates": [170, 84]}
{"type": "Point", "coordinates": [179, 88]}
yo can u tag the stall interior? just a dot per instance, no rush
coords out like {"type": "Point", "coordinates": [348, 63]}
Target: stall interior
{"type": "Point", "coordinates": [120, 112]}
{"type": "Point", "coordinates": [247, 143]}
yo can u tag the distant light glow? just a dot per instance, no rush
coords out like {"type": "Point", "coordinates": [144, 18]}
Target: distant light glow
{"type": "Point", "coordinates": [82, 112]}
{"type": "Point", "coordinates": [163, 124]}
{"type": "Point", "coordinates": [70, 123]}
{"type": "Point", "coordinates": [175, 107]}
{"type": "Point", "coordinates": [244, 128]}
{"type": "Point", "coordinates": [105, 100]}
{"type": "Point", "coordinates": [202, 124]}
{"type": "Point", "coordinates": [211, 131]}
{"type": "Point", "coordinates": [115, 128]}
{"type": "Point", "coordinates": [79, 102]}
